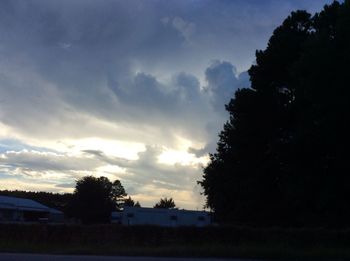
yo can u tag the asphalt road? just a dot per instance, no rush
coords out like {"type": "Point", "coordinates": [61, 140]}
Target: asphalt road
{"type": "Point", "coordinates": [38, 257]}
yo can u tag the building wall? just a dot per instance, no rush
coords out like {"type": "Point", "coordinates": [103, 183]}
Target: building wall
{"type": "Point", "coordinates": [6, 214]}
{"type": "Point", "coordinates": [11, 215]}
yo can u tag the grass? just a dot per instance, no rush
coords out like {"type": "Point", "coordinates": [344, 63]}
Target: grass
{"type": "Point", "coordinates": [178, 242]}
{"type": "Point", "coordinates": [243, 251]}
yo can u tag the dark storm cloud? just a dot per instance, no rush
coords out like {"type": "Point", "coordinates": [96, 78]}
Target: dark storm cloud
{"type": "Point", "coordinates": [144, 91]}
{"type": "Point", "coordinates": [221, 77]}
{"type": "Point", "coordinates": [79, 46]}
{"type": "Point", "coordinates": [223, 81]}
{"type": "Point", "coordinates": [181, 94]}
{"type": "Point", "coordinates": [142, 71]}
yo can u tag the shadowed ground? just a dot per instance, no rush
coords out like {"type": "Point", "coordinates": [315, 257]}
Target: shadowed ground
{"type": "Point", "coordinates": [36, 257]}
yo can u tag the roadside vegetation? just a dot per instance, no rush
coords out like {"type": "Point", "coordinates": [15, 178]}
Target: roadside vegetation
{"type": "Point", "coordinates": [220, 241]}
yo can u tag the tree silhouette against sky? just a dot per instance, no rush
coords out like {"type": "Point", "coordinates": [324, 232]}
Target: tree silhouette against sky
{"type": "Point", "coordinates": [281, 157]}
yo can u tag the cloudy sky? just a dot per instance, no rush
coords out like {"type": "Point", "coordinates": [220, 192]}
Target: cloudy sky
{"type": "Point", "coordinates": [131, 90]}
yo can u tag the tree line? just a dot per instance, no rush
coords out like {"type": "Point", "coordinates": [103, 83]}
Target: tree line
{"type": "Point", "coordinates": [281, 158]}
{"type": "Point", "coordinates": [92, 201]}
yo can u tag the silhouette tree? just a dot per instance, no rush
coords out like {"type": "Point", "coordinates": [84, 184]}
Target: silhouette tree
{"type": "Point", "coordinates": [118, 193]}
{"type": "Point", "coordinates": [165, 203]}
{"type": "Point", "coordinates": [281, 157]}
{"type": "Point", "coordinates": [129, 202]}
{"type": "Point", "coordinates": [95, 198]}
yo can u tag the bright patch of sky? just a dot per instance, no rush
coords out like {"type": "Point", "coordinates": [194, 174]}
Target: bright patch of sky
{"type": "Point", "coordinates": [131, 90]}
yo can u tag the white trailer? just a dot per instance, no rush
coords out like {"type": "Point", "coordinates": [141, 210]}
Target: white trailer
{"type": "Point", "coordinates": [164, 217]}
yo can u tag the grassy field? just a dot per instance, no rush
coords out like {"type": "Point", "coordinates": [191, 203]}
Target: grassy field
{"type": "Point", "coordinates": [157, 241]}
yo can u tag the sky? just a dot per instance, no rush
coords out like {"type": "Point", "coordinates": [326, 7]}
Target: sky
{"type": "Point", "coordinates": [131, 90]}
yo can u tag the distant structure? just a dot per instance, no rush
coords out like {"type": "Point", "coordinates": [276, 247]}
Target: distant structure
{"type": "Point", "coordinates": [23, 210]}
{"type": "Point", "coordinates": [161, 217]}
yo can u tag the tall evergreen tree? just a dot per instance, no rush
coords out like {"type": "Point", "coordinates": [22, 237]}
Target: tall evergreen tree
{"type": "Point", "coordinates": [280, 158]}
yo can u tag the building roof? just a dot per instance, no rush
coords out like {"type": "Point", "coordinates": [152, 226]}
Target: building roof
{"type": "Point", "coordinates": [22, 204]}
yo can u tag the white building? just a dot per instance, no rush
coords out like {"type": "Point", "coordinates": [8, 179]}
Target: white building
{"type": "Point", "coordinates": [26, 210]}
{"type": "Point", "coordinates": [161, 217]}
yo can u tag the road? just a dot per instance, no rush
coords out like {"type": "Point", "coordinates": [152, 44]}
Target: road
{"type": "Point", "coordinates": [39, 257]}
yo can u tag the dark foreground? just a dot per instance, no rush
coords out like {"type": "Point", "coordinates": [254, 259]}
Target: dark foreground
{"type": "Point", "coordinates": [38, 257]}
{"type": "Point", "coordinates": [210, 242]}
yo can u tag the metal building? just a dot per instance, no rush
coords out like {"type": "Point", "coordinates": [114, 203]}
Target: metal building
{"type": "Point", "coordinates": [26, 210]}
